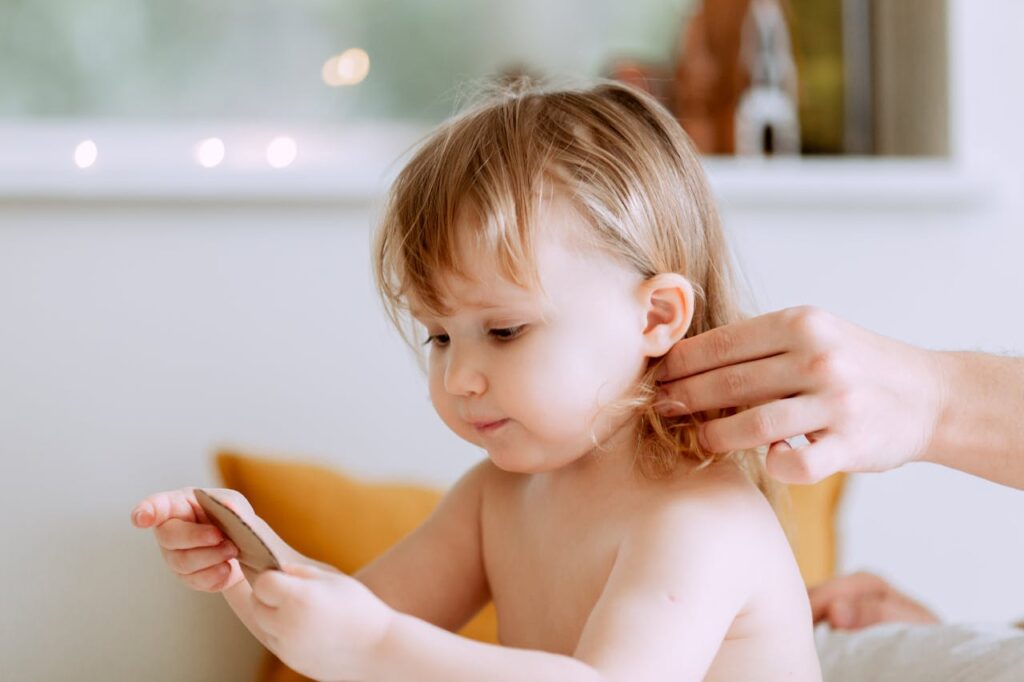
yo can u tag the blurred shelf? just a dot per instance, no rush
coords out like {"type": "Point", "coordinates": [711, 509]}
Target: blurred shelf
{"type": "Point", "coordinates": [864, 183]}
{"type": "Point", "coordinates": [156, 163]}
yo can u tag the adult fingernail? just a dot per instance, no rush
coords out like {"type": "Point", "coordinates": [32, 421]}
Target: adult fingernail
{"type": "Point", "coordinates": [702, 438]}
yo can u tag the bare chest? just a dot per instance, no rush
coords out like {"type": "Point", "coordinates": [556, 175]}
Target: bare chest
{"type": "Point", "coordinates": [547, 564]}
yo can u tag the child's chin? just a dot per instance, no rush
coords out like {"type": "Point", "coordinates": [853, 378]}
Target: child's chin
{"type": "Point", "coordinates": [518, 464]}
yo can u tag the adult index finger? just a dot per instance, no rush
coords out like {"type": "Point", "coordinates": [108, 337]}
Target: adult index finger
{"type": "Point", "coordinates": [753, 339]}
{"type": "Point", "coordinates": [739, 385]}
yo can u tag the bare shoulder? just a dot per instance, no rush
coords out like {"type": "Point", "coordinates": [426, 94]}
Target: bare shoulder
{"type": "Point", "coordinates": [720, 492]}
{"type": "Point", "coordinates": [716, 516]}
{"type": "Point", "coordinates": [687, 576]}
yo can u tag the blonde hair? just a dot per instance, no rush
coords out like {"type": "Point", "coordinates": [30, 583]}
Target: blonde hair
{"type": "Point", "coordinates": [629, 170]}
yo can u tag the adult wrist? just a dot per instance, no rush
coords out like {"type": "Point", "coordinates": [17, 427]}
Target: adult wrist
{"type": "Point", "coordinates": [944, 368]}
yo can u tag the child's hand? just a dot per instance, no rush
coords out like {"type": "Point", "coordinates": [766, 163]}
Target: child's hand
{"type": "Point", "coordinates": [324, 625]}
{"type": "Point", "coordinates": [195, 550]}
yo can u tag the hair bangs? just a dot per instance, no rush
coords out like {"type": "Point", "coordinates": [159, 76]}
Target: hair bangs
{"type": "Point", "coordinates": [482, 203]}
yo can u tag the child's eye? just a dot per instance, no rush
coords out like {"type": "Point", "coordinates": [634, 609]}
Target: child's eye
{"type": "Point", "coordinates": [508, 333]}
{"type": "Point", "coordinates": [437, 340]}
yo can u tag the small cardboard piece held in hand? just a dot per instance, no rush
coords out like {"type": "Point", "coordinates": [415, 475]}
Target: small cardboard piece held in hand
{"type": "Point", "coordinates": [254, 552]}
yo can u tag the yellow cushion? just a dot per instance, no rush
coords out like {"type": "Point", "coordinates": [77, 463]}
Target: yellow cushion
{"type": "Point", "coordinates": [811, 517]}
{"type": "Point", "coordinates": [346, 523]}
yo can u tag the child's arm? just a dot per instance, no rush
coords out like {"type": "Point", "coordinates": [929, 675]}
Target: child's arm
{"type": "Point", "coordinates": [436, 573]}
{"type": "Point", "coordinates": [677, 585]}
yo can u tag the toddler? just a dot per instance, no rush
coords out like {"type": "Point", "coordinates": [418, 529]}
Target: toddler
{"type": "Point", "coordinates": [550, 247]}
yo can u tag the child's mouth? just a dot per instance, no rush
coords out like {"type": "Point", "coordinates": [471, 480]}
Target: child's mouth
{"type": "Point", "coordinates": [490, 426]}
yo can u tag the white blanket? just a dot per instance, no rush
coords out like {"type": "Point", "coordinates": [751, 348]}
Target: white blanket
{"type": "Point", "coordinates": [898, 652]}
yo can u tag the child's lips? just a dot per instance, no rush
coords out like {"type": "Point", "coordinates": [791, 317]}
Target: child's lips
{"type": "Point", "coordinates": [489, 427]}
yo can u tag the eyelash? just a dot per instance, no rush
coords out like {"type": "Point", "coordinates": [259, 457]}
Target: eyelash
{"type": "Point", "coordinates": [512, 333]}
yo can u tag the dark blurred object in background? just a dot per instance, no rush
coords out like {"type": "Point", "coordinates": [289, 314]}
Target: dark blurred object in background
{"type": "Point", "coordinates": [707, 77]}
{"type": "Point", "coordinates": [736, 79]}
{"type": "Point", "coordinates": [654, 79]}
{"type": "Point", "coordinates": [871, 76]}
{"type": "Point", "coordinates": [766, 121]}
{"type": "Point", "coordinates": [820, 43]}
{"type": "Point", "coordinates": [910, 67]}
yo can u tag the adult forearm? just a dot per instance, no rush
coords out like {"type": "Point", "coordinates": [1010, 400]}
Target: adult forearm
{"type": "Point", "coordinates": [981, 428]}
{"type": "Point", "coordinates": [417, 650]}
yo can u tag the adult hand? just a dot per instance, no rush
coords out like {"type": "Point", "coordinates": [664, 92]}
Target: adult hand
{"type": "Point", "coordinates": [859, 600]}
{"type": "Point", "coordinates": [864, 402]}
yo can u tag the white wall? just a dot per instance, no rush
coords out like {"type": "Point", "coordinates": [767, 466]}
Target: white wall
{"type": "Point", "coordinates": [138, 334]}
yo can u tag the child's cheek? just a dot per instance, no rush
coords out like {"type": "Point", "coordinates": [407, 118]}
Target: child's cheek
{"type": "Point", "coordinates": [444, 405]}
{"type": "Point", "coordinates": [554, 391]}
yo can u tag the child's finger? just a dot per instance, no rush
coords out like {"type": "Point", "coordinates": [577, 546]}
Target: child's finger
{"type": "Point", "coordinates": [211, 579]}
{"type": "Point", "coordinates": [188, 561]}
{"type": "Point", "coordinates": [272, 588]}
{"type": "Point", "coordinates": [178, 534]}
{"type": "Point", "coordinates": [158, 508]}
{"type": "Point", "coordinates": [303, 570]}
{"type": "Point", "coordinates": [266, 617]}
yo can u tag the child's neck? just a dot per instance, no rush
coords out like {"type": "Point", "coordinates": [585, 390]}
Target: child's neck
{"type": "Point", "coordinates": [613, 463]}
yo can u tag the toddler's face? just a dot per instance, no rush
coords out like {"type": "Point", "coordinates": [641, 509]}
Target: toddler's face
{"type": "Point", "coordinates": [524, 375]}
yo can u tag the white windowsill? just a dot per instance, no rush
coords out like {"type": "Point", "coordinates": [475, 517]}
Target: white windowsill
{"type": "Point", "coordinates": [142, 163]}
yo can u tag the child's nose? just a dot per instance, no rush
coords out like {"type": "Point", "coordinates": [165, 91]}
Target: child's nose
{"type": "Point", "coordinates": [463, 375]}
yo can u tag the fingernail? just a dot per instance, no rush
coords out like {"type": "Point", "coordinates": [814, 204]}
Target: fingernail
{"type": "Point", "coordinates": [701, 438]}
{"type": "Point", "coordinates": [661, 404]}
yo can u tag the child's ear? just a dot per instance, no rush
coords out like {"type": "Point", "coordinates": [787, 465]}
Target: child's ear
{"type": "Point", "coordinates": [667, 301]}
